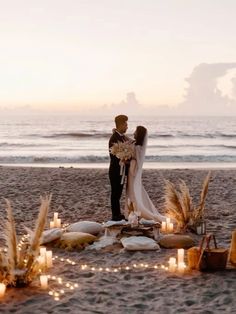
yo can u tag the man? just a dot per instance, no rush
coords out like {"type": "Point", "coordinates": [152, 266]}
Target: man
{"type": "Point", "coordinates": [114, 169]}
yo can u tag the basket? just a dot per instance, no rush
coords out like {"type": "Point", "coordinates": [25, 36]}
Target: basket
{"type": "Point", "coordinates": [211, 259]}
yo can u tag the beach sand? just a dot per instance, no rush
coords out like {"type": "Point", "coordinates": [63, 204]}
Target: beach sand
{"type": "Point", "coordinates": [83, 194]}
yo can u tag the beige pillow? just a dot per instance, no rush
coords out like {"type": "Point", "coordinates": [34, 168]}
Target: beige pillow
{"type": "Point", "coordinates": [73, 240]}
{"type": "Point", "coordinates": [139, 243]}
{"type": "Point", "coordinates": [91, 227]}
{"type": "Point", "coordinates": [51, 235]}
{"type": "Point", "coordinates": [178, 241]}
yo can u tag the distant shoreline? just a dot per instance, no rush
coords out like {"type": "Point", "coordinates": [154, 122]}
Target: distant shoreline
{"type": "Point", "coordinates": [146, 165]}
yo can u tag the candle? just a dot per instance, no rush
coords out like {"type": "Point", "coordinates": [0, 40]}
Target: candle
{"type": "Point", "coordinates": [52, 224]}
{"type": "Point", "coordinates": [43, 251]}
{"type": "Point", "coordinates": [163, 226]}
{"type": "Point", "coordinates": [49, 258]}
{"type": "Point", "coordinates": [2, 290]}
{"type": "Point", "coordinates": [199, 230]}
{"type": "Point", "coordinates": [42, 259]}
{"type": "Point", "coordinates": [167, 224]}
{"type": "Point", "coordinates": [44, 281]}
{"type": "Point", "coordinates": [172, 264]}
{"type": "Point", "coordinates": [171, 227]}
{"type": "Point", "coordinates": [181, 267]}
{"type": "Point", "coordinates": [58, 225]}
{"type": "Point", "coordinates": [180, 256]}
{"type": "Point", "coordinates": [55, 219]}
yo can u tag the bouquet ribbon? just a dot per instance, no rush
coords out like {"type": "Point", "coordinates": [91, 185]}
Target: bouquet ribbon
{"type": "Point", "coordinates": [122, 172]}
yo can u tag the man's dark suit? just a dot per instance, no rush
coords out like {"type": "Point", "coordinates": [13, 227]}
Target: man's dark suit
{"type": "Point", "coordinates": [115, 178]}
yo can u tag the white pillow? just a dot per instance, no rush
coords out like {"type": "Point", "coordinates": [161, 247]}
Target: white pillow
{"type": "Point", "coordinates": [139, 243]}
{"type": "Point", "coordinates": [90, 227]}
{"type": "Point", "coordinates": [51, 235]}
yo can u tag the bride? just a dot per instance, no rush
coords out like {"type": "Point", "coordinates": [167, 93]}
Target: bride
{"type": "Point", "coordinates": [137, 198]}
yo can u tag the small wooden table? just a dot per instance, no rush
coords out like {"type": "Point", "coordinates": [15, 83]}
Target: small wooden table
{"type": "Point", "coordinates": [118, 229]}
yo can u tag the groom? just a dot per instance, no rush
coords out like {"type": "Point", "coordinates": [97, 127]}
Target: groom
{"type": "Point", "coordinates": [114, 169]}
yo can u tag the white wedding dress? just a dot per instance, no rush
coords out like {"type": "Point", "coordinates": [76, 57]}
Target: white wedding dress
{"type": "Point", "coordinates": [136, 193]}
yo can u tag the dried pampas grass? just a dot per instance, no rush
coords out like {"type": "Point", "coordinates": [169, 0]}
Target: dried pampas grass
{"type": "Point", "coordinates": [19, 265]}
{"type": "Point", "coordinates": [11, 241]}
{"type": "Point", "coordinates": [179, 206]}
{"type": "Point", "coordinates": [40, 224]}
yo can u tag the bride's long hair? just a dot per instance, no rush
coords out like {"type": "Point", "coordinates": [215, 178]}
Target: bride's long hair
{"type": "Point", "coordinates": [140, 134]}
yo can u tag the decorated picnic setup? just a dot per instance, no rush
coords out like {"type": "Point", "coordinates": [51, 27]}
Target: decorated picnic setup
{"type": "Point", "coordinates": [31, 257]}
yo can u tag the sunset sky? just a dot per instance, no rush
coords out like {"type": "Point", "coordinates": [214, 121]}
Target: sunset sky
{"type": "Point", "coordinates": [75, 53]}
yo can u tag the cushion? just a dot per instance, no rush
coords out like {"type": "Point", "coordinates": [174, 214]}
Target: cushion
{"type": "Point", "coordinates": [139, 243]}
{"type": "Point", "coordinates": [51, 235]}
{"type": "Point", "coordinates": [178, 241]}
{"type": "Point", "coordinates": [73, 240]}
{"type": "Point", "coordinates": [102, 243]}
{"type": "Point", "coordinates": [90, 227]}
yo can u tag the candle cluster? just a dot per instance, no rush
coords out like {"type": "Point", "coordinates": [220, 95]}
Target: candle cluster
{"type": "Point", "coordinates": [45, 258]}
{"type": "Point", "coordinates": [56, 222]}
{"type": "Point", "coordinates": [180, 265]}
{"type": "Point", "coordinates": [167, 226]}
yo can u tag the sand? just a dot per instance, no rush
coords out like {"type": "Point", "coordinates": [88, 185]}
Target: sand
{"type": "Point", "coordinates": [83, 194]}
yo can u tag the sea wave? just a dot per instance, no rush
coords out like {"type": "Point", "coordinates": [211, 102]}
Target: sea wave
{"type": "Point", "coordinates": [153, 135]}
{"type": "Point", "coordinates": [22, 145]}
{"type": "Point", "coordinates": [73, 135]}
{"type": "Point", "coordinates": [105, 159]}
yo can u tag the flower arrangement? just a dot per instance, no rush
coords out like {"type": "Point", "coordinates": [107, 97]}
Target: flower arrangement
{"type": "Point", "coordinates": [19, 263]}
{"type": "Point", "coordinates": [179, 206]}
{"type": "Point", "coordinates": [123, 150]}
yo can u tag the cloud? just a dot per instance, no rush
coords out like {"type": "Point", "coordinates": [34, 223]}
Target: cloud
{"type": "Point", "coordinates": [203, 95]}
{"type": "Point", "coordinates": [233, 80]}
{"type": "Point", "coordinates": [129, 106]}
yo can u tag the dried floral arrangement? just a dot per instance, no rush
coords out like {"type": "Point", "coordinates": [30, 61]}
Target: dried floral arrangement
{"type": "Point", "coordinates": [19, 262]}
{"type": "Point", "coordinates": [123, 150]}
{"type": "Point", "coordinates": [179, 206]}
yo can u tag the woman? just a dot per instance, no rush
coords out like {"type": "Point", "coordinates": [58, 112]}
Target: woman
{"type": "Point", "coordinates": [136, 196]}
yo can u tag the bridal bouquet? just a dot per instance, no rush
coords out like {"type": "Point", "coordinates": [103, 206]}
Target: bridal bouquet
{"type": "Point", "coordinates": [123, 151]}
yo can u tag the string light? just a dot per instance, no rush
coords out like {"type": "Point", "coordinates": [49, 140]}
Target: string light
{"type": "Point", "coordinates": [65, 286]}
{"type": "Point", "coordinates": [58, 293]}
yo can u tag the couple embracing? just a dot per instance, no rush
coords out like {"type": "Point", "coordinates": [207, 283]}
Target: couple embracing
{"type": "Point", "coordinates": [137, 199]}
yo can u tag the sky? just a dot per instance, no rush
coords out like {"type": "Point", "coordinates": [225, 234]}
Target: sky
{"type": "Point", "coordinates": [80, 54]}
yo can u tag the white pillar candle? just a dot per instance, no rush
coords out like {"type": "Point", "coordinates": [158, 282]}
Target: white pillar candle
{"type": "Point", "coordinates": [49, 258]}
{"type": "Point", "coordinates": [55, 217]}
{"type": "Point", "coordinates": [172, 264]}
{"type": "Point", "coordinates": [167, 221]}
{"type": "Point", "coordinates": [52, 224]}
{"type": "Point", "coordinates": [43, 251]}
{"type": "Point", "coordinates": [2, 290]}
{"type": "Point", "coordinates": [180, 256]}
{"type": "Point", "coordinates": [171, 227]}
{"type": "Point", "coordinates": [43, 259]}
{"type": "Point", "coordinates": [58, 225]}
{"type": "Point", "coordinates": [44, 281]}
{"type": "Point", "coordinates": [163, 226]}
{"type": "Point", "coordinates": [181, 267]}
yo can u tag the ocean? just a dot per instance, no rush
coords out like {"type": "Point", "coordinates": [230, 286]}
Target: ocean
{"type": "Point", "coordinates": [71, 140]}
